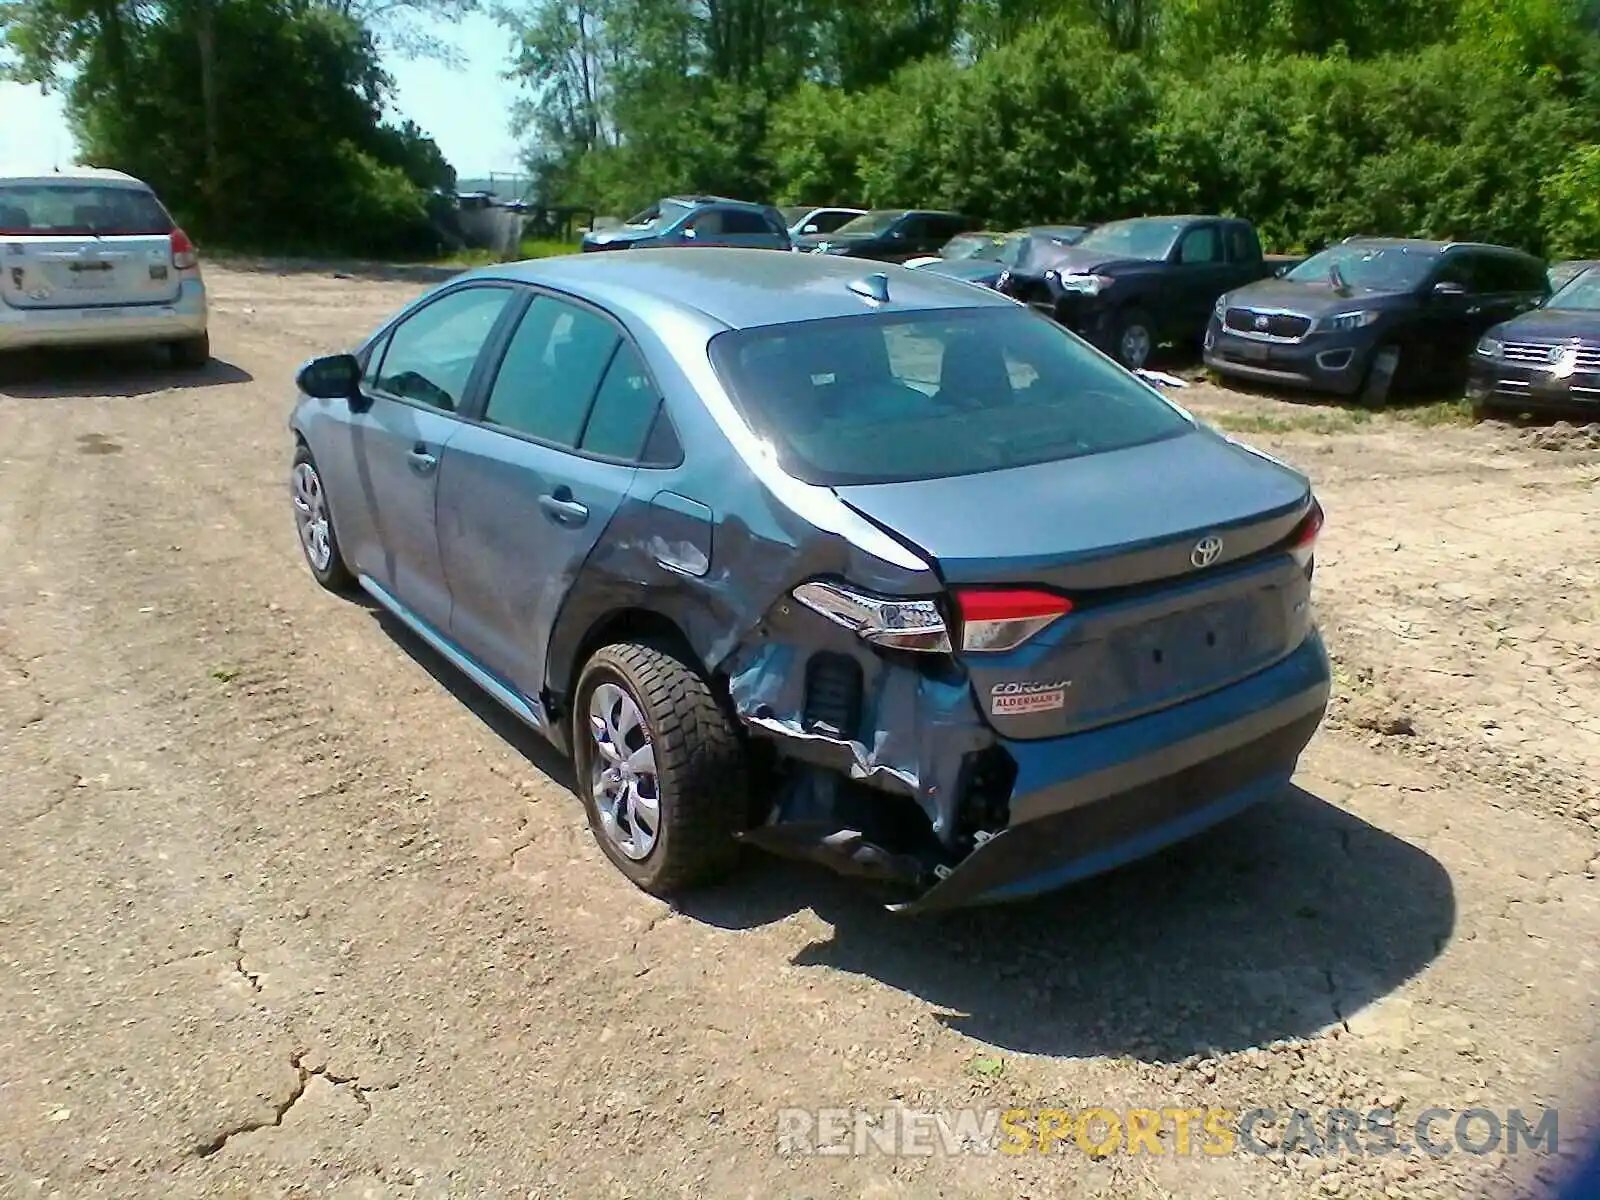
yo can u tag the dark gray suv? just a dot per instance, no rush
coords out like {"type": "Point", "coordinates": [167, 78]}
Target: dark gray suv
{"type": "Point", "coordinates": [697, 221]}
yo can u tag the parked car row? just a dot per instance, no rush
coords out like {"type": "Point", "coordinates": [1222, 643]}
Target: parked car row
{"type": "Point", "coordinates": [1363, 318]}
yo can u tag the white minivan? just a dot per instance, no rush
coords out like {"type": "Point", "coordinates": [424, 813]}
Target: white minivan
{"type": "Point", "coordinates": [91, 257]}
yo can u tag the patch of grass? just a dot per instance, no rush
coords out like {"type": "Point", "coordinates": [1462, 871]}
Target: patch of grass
{"type": "Point", "coordinates": [530, 248]}
{"type": "Point", "coordinates": [222, 675]}
{"type": "Point", "coordinates": [1437, 413]}
{"type": "Point", "coordinates": [1316, 420]}
{"type": "Point", "coordinates": [987, 1068]}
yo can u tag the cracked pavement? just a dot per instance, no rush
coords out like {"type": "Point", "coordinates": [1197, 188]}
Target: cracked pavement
{"type": "Point", "coordinates": [289, 910]}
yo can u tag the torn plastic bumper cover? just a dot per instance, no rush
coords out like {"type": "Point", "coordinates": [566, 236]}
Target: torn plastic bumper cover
{"type": "Point", "coordinates": [1069, 807]}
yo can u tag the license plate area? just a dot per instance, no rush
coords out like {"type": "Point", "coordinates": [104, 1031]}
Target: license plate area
{"type": "Point", "coordinates": [1199, 647]}
{"type": "Point", "coordinates": [1255, 352]}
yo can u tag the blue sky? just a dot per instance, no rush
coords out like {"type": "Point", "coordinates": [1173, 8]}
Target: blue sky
{"type": "Point", "coordinates": [466, 109]}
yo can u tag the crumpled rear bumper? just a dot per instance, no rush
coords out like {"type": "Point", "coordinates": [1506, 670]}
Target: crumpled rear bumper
{"type": "Point", "coordinates": [1082, 807]}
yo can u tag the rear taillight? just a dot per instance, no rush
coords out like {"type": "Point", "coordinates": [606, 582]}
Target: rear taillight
{"type": "Point", "coordinates": [994, 620]}
{"type": "Point", "coordinates": [882, 620]}
{"type": "Point", "coordinates": [184, 256]}
{"type": "Point", "coordinates": [1303, 543]}
{"type": "Point", "coordinates": [991, 620]}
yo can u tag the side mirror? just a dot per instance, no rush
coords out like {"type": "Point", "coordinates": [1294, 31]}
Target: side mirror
{"type": "Point", "coordinates": [1282, 270]}
{"type": "Point", "coordinates": [688, 235]}
{"type": "Point", "coordinates": [331, 377]}
{"type": "Point", "coordinates": [897, 234]}
{"type": "Point", "coordinates": [1446, 288]}
{"type": "Point", "coordinates": [812, 228]}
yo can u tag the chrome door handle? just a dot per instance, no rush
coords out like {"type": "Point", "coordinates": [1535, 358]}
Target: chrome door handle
{"type": "Point", "coordinates": [422, 462]}
{"type": "Point", "coordinates": [561, 508]}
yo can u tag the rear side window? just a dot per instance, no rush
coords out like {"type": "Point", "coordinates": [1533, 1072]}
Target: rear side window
{"type": "Point", "coordinates": [81, 209]}
{"type": "Point", "coordinates": [624, 409]}
{"type": "Point", "coordinates": [887, 397]}
{"type": "Point", "coordinates": [738, 220]}
{"type": "Point", "coordinates": [552, 366]}
{"type": "Point", "coordinates": [1242, 244]}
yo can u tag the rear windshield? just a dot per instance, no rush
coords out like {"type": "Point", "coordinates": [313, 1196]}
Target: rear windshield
{"type": "Point", "coordinates": [81, 209]}
{"type": "Point", "coordinates": [889, 397]}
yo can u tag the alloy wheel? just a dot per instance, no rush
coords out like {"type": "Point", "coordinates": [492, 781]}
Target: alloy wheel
{"type": "Point", "coordinates": [622, 772]}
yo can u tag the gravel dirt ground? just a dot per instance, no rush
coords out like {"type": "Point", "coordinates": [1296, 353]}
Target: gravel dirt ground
{"type": "Point", "coordinates": [287, 910]}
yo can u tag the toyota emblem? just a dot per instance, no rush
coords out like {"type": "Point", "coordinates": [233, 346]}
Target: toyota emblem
{"type": "Point", "coordinates": [1205, 551]}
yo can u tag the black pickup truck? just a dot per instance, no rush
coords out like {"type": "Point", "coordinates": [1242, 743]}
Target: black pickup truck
{"type": "Point", "coordinates": [1130, 286]}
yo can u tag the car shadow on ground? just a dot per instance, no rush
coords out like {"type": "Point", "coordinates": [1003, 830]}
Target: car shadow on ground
{"type": "Point", "coordinates": [545, 757]}
{"type": "Point", "coordinates": [64, 373]}
{"type": "Point", "coordinates": [1278, 924]}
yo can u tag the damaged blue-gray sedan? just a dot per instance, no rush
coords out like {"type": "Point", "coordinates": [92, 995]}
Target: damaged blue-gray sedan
{"type": "Point", "coordinates": [882, 571]}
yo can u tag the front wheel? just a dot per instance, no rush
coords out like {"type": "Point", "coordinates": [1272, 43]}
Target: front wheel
{"type": "Point", "coordinates": [313, 521]}
{"type": "Point", "coordinates": [1133, 339]}
{"type": "Point", "coordinates": [660, 767]}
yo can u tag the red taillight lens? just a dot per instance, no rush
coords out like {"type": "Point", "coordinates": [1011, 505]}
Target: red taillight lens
{"type": "Point", "coordinates": [1303, 545]}
{"type": "Point", "coordinates": [999, 619]}
{"type": "Point", "coordinates": [184, 256]}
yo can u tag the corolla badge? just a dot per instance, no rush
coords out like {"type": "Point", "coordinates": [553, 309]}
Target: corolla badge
{"type": "Point", "coordinates": [1205, 551]}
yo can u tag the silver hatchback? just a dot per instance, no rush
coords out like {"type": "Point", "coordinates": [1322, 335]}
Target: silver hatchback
{"type": "Point", "coordinates": [91, 257]}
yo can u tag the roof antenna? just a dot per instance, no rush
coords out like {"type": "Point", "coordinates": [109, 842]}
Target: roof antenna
{"type": "Point", "coordinates": [875, 288]}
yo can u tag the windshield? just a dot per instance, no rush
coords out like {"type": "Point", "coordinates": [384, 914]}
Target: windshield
{"type": "Point", "coordinates": [876, 221]}
{"type": "Point", "coordinates": [658, 215]}
{"type": "Point", "coordinates": [983, 247]}
{"type": "Point", "coordinates": [1581, 293]}
{"type": "Point", "coordinates": [1379, 268]}
{"type": "Point", "coordinates": [1142, 237]}
{"type": "Point", "coordinates": [792, 215]}
{"type": "Point", "coordinates": [81, 209]}
{"type": "Point", "coordinates": [890, 397]}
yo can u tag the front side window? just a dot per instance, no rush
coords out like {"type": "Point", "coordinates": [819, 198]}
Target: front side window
{"type": "Point", "coordinates": [552, 366]}
{"type": "Point", "coordinates": [431, 353]}
{"type": "Point", "coordinates": [887, 397]}
{"type": "Point", "coordinates": [1200, 246]}
{"type": "Point", "coordinates": [1242, 245]}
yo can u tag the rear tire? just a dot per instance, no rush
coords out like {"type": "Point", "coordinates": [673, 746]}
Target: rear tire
{"type": "Point", "coordinates": [192, 352]}
{"type": "Point", "coordinates": [635, 697]}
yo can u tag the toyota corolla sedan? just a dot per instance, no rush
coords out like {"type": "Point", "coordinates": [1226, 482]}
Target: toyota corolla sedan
{"type": "Point", "coordinates": [877, 570]}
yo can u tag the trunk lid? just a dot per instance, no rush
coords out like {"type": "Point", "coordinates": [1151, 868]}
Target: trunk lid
{"type": "Point", "coordinates": [57, 271]}
{"type": "Point", "coordinates": [1120, 535]}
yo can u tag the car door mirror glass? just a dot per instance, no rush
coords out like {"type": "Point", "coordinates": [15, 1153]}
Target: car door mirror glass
{"type": "Point", "coordinates": [812, 228]}
{"type": "Point", "coordinates": [331, 377]}
{"type": "Point", "coordinates": [1449, 287]}
{"type": "Point", "coordinates": [689, 234]}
